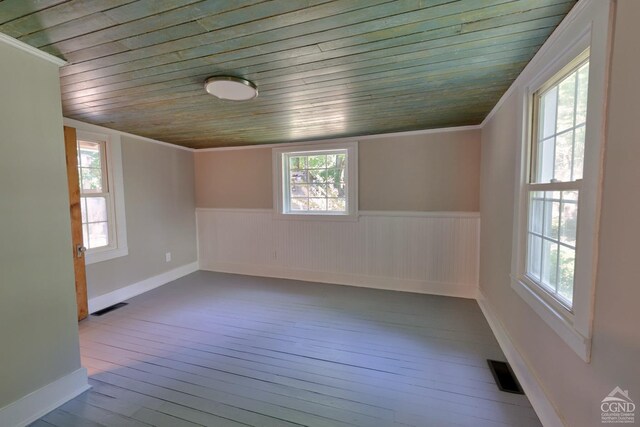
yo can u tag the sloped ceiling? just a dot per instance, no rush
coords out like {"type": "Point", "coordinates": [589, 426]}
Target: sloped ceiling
{"type": "Point", "coordinates": [324, 69]}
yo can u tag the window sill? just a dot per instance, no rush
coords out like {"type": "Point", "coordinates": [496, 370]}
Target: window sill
{"type": "Point", "coordinates": [105, 255]}
{"type": "Point", "coordinates": [316, 217]}
{"type": "Point", "coordinates": [557, 321]}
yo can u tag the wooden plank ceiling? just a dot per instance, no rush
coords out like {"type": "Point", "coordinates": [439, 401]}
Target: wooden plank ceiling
{"type": "Point", "coordinates": [324, 68]}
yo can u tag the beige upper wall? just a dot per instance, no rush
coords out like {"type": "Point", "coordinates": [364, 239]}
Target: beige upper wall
{"type": "Point", "coordinates": [160, 204]}
{"type": "Point", "coordinates": [576, 388]}
{"type": "Point", "coordinates": [38, 326]}
{"type": "Point", "coordinates": [428, 172]}
{"type": "Point", "coordinates": [234, 179]}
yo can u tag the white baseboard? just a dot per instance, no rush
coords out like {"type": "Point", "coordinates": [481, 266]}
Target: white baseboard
{"type": "Point", "coordinates": [387, 283]}
{"type": "Point", "coordinates": [545, 410]}
{"type": "Point", "coordinates": [44, 400]}
{"type": "Point", "coordinates": [119, 295]}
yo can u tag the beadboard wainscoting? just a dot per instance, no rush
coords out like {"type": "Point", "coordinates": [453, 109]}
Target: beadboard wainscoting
{"type": "Point", "coordinates": [426, 252]}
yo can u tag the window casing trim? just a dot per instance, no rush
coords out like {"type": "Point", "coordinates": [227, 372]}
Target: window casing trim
{"type": "Point", "coordinates": [115, 184]}
{"type": "Point", "coordinates": [279, 190]}
{"type": "Point", "coordinates": [589, 29]}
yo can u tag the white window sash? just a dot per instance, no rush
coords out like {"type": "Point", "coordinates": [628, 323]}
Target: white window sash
{"type": "Point", "coordinates": [286, 181]}
{"type": "Point", "coordinates": [281, 195]}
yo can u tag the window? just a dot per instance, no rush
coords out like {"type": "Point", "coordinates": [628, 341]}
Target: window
{"type": "Point", "coordinates": [95, 197]}
{"type": "Point", "coordinates": [101, 192]}
{"type": "Point", "coordinates": [561, 114]}
{"type": "Point", "coordinates": [555, 180]}
{"type": "Point", "coordinates": [317, 180]}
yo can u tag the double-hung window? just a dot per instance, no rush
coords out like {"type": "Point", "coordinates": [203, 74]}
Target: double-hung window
{"type": "Point", "coordinates": [559, 171]}
{"type": "Point", "coordinates": [95, 195]}
{"type": "Point", "coordinates": [555, 180]}
{"type": "Point", "coordinates": [101, 192]}
{"type": "Point", "coordinates": [318, 180]}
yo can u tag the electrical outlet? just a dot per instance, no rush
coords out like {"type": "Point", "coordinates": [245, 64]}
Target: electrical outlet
{"type": "Point", "coordinates": [167, 257]}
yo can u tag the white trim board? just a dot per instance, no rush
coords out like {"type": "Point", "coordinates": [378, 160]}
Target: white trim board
{"type": "Point", "coordinates": [399, 214]}
{"type": "Point", "coordinates": [422, 214]}
{"type": "Point", "coordinates": [531, 385]}
{"type": "Point", "coordinates": [97, 128]}
{"type": "Point", "coordinates": [344, 139]}
{"type": "Point", "coordinates": [34, 405]}
{"type": "Point", "coordinates": [135, 289]}
{"type": "Point", "coordinates": [32, 50]}
{"type": "Point", "coordinates": [371, 282]}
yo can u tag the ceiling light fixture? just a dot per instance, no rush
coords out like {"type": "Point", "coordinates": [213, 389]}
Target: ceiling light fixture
{"type": "Point", "coordinates": [231, 88]}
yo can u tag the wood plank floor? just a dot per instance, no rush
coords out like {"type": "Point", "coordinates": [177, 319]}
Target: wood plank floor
{"type": "Point", "coordinates": [218, 349]}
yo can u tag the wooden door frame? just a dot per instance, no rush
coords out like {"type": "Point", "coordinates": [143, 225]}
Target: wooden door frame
{"type": "Point", "coordinates": [71, 153]}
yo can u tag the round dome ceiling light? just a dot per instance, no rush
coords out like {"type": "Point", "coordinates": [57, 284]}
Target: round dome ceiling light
{"type": "Point", "coordinates": [231, 88]}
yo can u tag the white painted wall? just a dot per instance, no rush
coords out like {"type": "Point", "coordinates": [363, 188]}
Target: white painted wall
{"type": "Point", "coordinates": [38, 326]}
{"type": "Point", "coordinates": [160, 204]}
{"type": "Point", "coordinates": [419, 252]}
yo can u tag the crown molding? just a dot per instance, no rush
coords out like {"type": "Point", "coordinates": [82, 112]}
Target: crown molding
{"type": "Point", "coordinates": [32, 50]}
{"type": "Point", "coordinates": [345, 139]}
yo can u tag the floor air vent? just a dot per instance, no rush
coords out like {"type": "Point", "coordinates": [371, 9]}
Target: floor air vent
{"type": "Point", "coordinates": [108, 309]}
{"type": "Point", "coordinates": [504, 377]}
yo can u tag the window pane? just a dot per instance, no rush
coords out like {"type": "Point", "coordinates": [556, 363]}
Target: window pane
{"type": "Point", "coordinates": [337, 205]}
{"type": "Point", "coordinates": [566, 272]}
{"type": "Point", "coordinates": [578, 153]}
{"type": "Point", "coordinates": [298, 176]}
{"type": "Point", "coordinates": [551, 214]}
{"type": "Point", "coordinates": [564, 151]}
{"type": "Point", "coordinates": [317, 162]}
{"type": "Point", "coordinates": [583, 89]}
{"type": "Point", "coordinates": [98, 235]}
{"type": "Point", "coordinates": [299, 204]}
{"type": "Point", "coordinates": [548, 105]}
{"type": "Point", "coordinates": [96, 209]}
{"type": "Point", "coordinates": [91, 180]}
{"type": "Point", "coordinates": [549, 264]}
{"type": "Point", "coordinates": [317, 190]}
{"type": "Point", "coordinates": [569, 217]}
{"type": "Point", "coordinates": [85, 236]}
{"type": "Point", "coordinates": [89, 154]}
{"type": "Point", "coordinates": [331, 161]}
{"type": "Point", "coordinates": [545, 160]}
{"type": "Point", "coordinates": [335, 175]}
{"type": "Point", "coordinates": [533, 259]}
{"type": "Point", "coordinates": [299, 190]}
{"type": "Point", "coordinates": [83, 209]}
{"type": "Point", "coordinates": [297, 162]}
{"type": "Point", "coordinates": [317, 204]}
{"type": "Point", "coordinates": [336, 190]}
{"type": "Point", "coordinates": [566, 103]}
{"type": "Point", "coordinates": [536, 205]}
{"type": "Point", "coordinates": [317, 176]}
